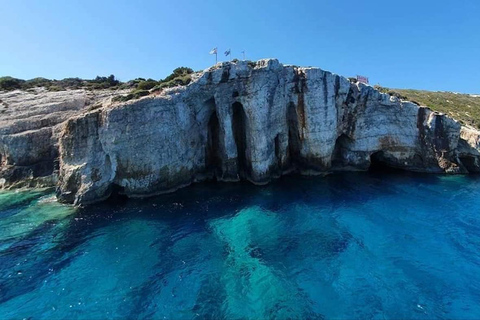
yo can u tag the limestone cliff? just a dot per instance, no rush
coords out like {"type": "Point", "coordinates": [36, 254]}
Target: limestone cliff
{"type": "Point", "coordinates": [252, 121]}
{"type": "Point", "coordinates": [30, 126]}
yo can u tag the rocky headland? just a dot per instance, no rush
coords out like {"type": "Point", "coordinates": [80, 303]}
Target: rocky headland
{"type": "Point", "coordinates": [234, 121]}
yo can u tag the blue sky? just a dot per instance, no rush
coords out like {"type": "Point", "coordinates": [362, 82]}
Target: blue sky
{"type": "Point", "coordinates": [422, 44]}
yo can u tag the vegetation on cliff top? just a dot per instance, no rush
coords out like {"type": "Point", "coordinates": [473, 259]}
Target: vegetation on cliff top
{"type": "Point", "coordinates": [462, 107]}
{"type": "Point", "coordinates": [9, 83]}
{"type": "Point", "coordinates": [139, 87]}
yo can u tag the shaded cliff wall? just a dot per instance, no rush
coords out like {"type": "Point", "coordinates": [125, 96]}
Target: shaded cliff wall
{"type": "Point", "coordinates": [254, 122]}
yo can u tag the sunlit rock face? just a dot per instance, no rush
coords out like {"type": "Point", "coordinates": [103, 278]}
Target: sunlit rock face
{"type": "Point", "coordinates": [30, 125]}
{"type": "Point", "coordinates": [254, 121]}
{"type": "Point", "coordinates": [235, 121]}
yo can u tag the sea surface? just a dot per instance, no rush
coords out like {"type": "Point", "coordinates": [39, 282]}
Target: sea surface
{"type": "Point", "coordinates": [363, 246]}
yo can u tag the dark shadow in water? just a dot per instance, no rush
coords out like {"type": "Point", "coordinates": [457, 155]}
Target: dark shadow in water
{"type": "Point", "coordinates": [37, 268]}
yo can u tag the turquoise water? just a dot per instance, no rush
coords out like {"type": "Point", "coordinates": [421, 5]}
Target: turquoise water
{"type": "Point", "coordinates": [371, 246]}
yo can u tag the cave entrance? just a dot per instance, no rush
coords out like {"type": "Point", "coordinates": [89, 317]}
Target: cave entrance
{"type": "Point", "coordinates": [379, 163]}
{"type": "Point", "coordinates": [117, 194]}
{"type": "Point", "coordinates": [340, 150]}
{"type": "Point", "coordinates": [277, 149]}
{"type": "Point", "coordinates": [293, 133]}
{"type": "Point", "coordinates": [277, 165]}
{"type": "Point", "coordinates": [213, 162]}
{"type": "Point", "coordinates": [239, 127]}
{"type": "Point", "coordinates": [469, 164]}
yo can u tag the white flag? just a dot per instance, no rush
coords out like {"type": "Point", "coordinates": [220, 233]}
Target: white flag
{"type": "Point", "coordinates": [213, 51]}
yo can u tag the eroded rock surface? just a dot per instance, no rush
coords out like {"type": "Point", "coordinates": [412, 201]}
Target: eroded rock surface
{"type": "Point", "coordinates": [30, 127]}
{"type": "Point", "coordinates": [253, 121]}
{"type": "Point", "coordinates": [234, 121]}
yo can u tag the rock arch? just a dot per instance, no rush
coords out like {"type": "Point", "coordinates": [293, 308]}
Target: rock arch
{"type": "Point", "coordinates": [213, 159]}
{"type": "Point", "coordinates": [239, 128]}
{"type": "Point", "coordinates": [340, 152]}
{"type": "Point", "coordinates": [294, 142]}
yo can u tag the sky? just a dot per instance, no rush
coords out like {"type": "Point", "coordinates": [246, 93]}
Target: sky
{"type": "Point", "coordinates": [422, 44]}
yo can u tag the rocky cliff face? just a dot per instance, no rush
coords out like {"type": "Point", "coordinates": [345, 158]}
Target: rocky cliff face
{"type": "Point", "coordinates": [251, 121]}
{"type": "Point", "coordinates": [30, 127]}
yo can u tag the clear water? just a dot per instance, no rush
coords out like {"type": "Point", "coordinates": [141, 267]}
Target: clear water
{"type": "Point", "coordinates": [345, 246]}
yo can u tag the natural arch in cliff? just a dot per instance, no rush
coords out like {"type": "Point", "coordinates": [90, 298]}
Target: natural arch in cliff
{"type": "Point", "coordinates": [380, 163]}
{"type": "Point", "coordinates": [239, 127]}
{"type": "Point", "coordinates": [276, 142]}
{"type": "Point", "coordinates": [213, 160]}
{"type": "Point", "coordinates": [339, 155]}
{"type": "Point", "coordinates": [470, 163]}
{"type": "Point", "coordinates": [293, 133]}
{"type": "Point", "coordinates": [117, 193]}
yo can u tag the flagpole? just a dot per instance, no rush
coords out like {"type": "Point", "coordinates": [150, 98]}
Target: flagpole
{"type": "Point", "coordinates": [214, 51]}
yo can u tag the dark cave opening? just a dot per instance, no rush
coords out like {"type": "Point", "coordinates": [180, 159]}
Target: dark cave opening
{"type": "Point", "coordinates": [379, 163]}
{"type": "Point", "coordinates": [340, 150]}
{"type": "Point", "coordinates": [293, 133]}
{"type": "Point", "coordinates": [278, 164]}
{"type": "Point", "coordinates": [117, 194]}
{"type": "Point", "coordinates": [277, 149]}
{"type": "Point", "coordinates": [469, 164]}
{"type": "Point", "coordinates": [213, 162]}
{"type": "Point", "coordinates": [239, 126]}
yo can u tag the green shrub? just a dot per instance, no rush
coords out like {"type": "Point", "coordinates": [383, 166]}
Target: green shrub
{"type": "Point", "coordinates": [131, 96]}
{"type": "Point", "coordinates": [177, 73]}
{"type": "Point", "coordinates": [181, 76]}
{"type": "Point", "coordinates": [101, 83]}
{"type": "Point", "coordinates": [140, 93]}
{"type": "Point", "coordinates": [119, 98]}
{"type": "Point", "coordinates": [37, 82]}
{"type": "Point", "coordinates": [71, 83]}
{"type": "Point", "coordinates": [9, 83]}
{"type": "Point", "coordinates": [157, 88]}
{"type": "Point", "coordinates": [109, 81]}
{"type": "Point", "coordinates": [178, 81]}
{"type": "Point", "coordinates": [147, 84]}
{"type": "Point", "coordinates": [55, 88]}
{"type": "Point", "coordinates": [462, 107]}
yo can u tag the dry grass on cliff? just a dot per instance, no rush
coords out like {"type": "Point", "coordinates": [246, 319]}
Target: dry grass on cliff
{"type": "Point", "coordinates": [463, 107]}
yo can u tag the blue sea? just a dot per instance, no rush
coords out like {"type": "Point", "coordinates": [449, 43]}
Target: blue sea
{"type": "Point", "coordinates": [345, 246]}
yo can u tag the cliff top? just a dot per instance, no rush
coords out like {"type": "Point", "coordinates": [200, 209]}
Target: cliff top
{"type": "Point", "coordinates": [463, 107]}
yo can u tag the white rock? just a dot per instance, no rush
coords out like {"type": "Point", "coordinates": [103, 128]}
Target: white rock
{"type": "Point", "coordinates": [239, 120]}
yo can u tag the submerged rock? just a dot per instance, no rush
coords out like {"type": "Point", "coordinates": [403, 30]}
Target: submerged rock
{"type": "Point", "coordinates": [243, 121]}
